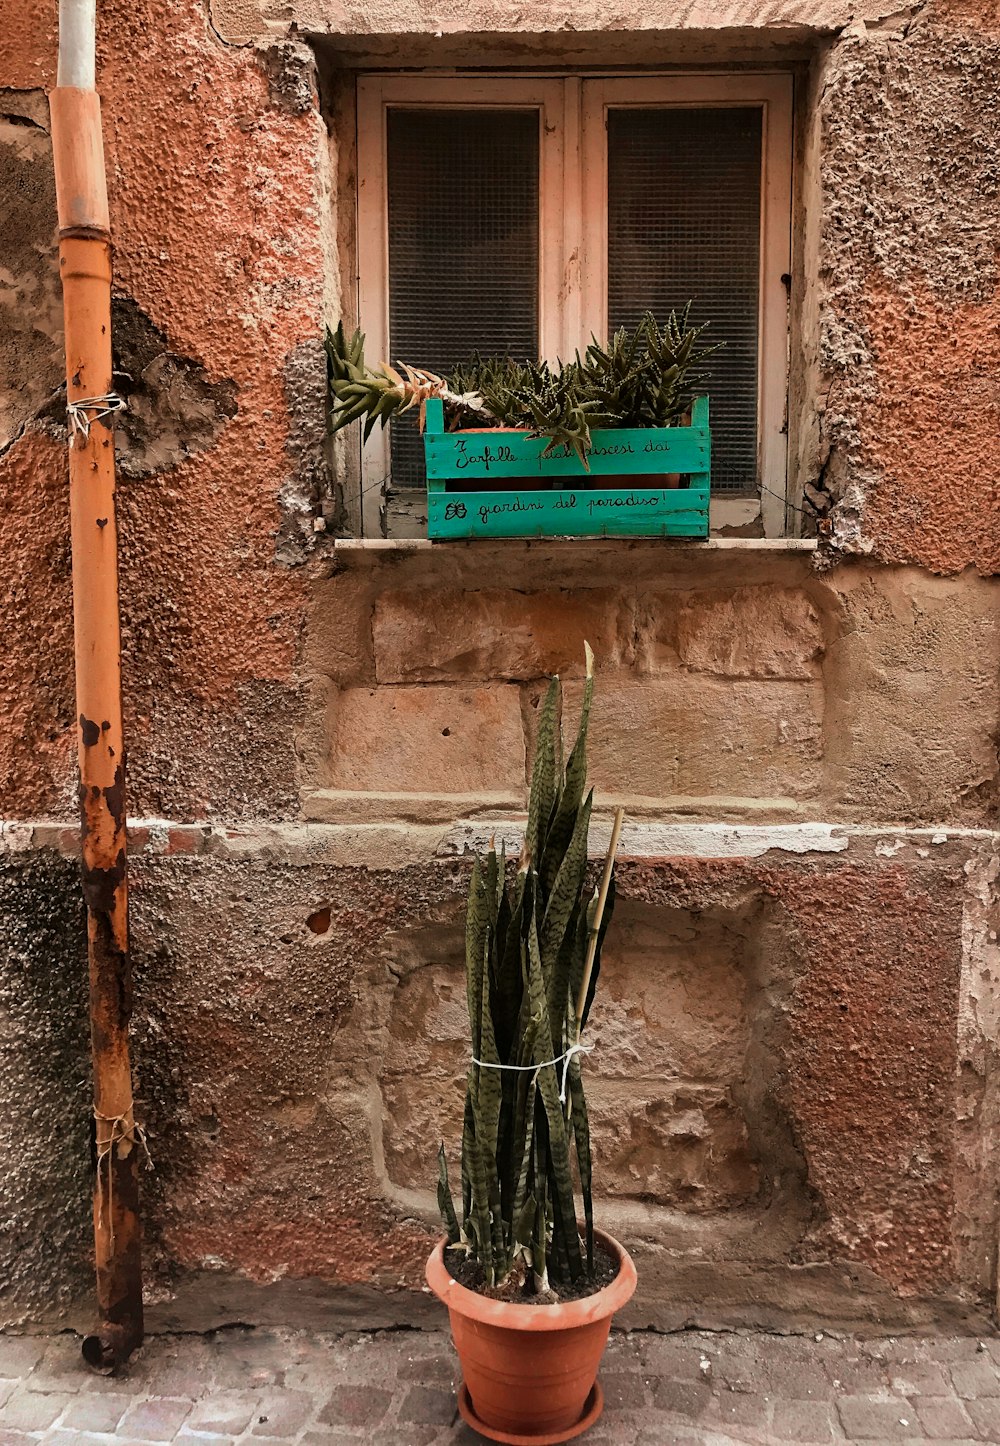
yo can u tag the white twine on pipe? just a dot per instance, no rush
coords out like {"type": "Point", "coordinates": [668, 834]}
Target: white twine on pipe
{"type": "Point", "coordinates": [125, 1129]}
{"type": "Point", "coordinates": [80, 422]}
{"type": "Point", "coordinates": [534, 1068]}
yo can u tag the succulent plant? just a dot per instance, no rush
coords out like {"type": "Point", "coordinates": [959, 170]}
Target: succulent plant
{"type": "Point", "coordinates": [645, 378]}
{"type": "Point", "coordinates": [533, 949]}
{"type": "Point", "coordinates": [359, 391]}
{"type": "Point", "coordinates": [642, 378]}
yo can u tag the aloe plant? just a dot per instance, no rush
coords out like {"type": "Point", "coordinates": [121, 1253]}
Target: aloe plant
{"type": "Point", "coordinates": [643, 378]}
{"type": "Point", "coordinates": [533, 947]}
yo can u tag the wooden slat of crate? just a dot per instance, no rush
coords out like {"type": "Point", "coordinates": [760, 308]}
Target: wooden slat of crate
{"type": "Point", "coordinates": [566, 512]}
{"type": "Point", "coordinates": [497, 454]}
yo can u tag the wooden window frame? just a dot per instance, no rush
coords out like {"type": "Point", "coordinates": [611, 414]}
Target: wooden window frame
{"type": "Point", "coordinates": [573, 220]}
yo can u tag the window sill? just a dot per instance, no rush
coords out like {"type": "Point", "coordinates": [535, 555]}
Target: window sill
{"type": "Point", "coordinates": [347, 546]}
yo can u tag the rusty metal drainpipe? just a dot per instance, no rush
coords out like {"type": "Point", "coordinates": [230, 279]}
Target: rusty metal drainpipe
{"type": "Point", "coordinates": [85, 267]}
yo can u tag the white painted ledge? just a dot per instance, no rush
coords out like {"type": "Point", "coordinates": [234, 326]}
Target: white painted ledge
{"type": "Point", "coordinates": [665, 840]}
{"type": "Point", "coordinates": [397, 845]}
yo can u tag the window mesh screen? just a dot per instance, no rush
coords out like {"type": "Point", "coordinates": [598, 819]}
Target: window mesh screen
{"type": "Point", "coordinates": [463, 246]}
{"type": "Point", "coordinates": [684, 223]}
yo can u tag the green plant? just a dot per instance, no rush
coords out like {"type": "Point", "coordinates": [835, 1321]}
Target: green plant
{"type": "Point", "coordinates": [359, 391]}
{"type": "Point", "coordinates": [643, 378]}
{"type": "Point", "coordinates": [533, 948]}
{"type": "Point", "coordinates": [550, 403]}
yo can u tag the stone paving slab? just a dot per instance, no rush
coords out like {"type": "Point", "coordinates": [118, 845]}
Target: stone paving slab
{"type": "Point", "coordinates": [396, 1388]}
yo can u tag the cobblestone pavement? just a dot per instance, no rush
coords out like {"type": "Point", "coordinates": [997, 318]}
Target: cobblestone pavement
{"type": "Point", "coordinates": [396, 1389]}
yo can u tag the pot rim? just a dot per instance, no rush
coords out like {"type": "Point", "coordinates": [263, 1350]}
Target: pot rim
{"type": "Point", "coordinates": [512, 1315]}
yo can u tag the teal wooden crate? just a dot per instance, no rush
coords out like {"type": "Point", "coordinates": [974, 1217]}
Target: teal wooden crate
{"type": "Point", "coordinates": [575, 502]}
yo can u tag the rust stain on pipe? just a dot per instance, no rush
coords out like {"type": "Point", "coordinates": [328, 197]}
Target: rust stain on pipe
{"type": "Point", "coordinates": [85, 267]}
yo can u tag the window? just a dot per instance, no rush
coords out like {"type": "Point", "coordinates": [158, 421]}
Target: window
{"type": "Point", "coordinates": [523, 214]}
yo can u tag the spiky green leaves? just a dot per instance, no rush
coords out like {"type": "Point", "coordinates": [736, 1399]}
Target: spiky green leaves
{"type": "Point", "coordinates": [642, 378]}
{"type": "Point", "coordinates": [357, 390]}
{"type": "Point", "coordinates": [446, 1204]}
{"type": "Point", "coordinates": [526, 940]}
{"type": "Point", "coordinates": [646, 377]}
{"type": "Point", "coordinates": [383, 392]}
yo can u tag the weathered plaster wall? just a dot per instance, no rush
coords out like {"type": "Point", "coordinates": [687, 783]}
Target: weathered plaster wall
{"type": "Point", "coordinates": [908, 174]}
{"type": "Point", "coordinates": [219, 176]}
{"type": "Point", "coordinates": [817, 1150]}
{"type": "Point", "coordinates": [30, 302]}
{"type": "Point", "coordinates": [45, 1228]}
{"type": "Point", "coordinates": [218, 210]}
{"type": "Point", "coordinates": [816, 987]}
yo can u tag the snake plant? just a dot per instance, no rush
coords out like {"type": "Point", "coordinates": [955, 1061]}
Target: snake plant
{"type": "Point", "coordinates": [533, 946]}
{"type": "Point", "coordinates": [642, 378]}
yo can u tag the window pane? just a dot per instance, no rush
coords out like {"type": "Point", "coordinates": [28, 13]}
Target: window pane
{"type": "Point", "coordinates": [463, 245]}
{"type": "Point", "coordinates": [684, 223]}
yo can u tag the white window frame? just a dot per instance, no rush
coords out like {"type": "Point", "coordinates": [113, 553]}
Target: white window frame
{"type": "Point", "coordinates": [573, 219]}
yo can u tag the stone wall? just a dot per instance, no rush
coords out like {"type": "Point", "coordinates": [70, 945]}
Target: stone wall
{"type": "Point", "coordinates": [787, 1119]}
{"type": "Point", "coordinates": [794, 1080]}
{"type": "Point", "coordinates": [734, 680]}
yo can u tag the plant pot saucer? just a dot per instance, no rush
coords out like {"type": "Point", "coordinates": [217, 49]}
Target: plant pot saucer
{"type": "Point", "coordinates": [592, 1409]}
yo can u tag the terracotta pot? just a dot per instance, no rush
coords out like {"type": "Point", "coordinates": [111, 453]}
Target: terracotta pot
{"type": "Point", "coordinates": [530, 1370]}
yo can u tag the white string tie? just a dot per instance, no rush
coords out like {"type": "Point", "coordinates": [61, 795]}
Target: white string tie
{"type": "Point", "coordinates": [563, 1059]}
{"type": "Point", "coordinates": [77, 412]}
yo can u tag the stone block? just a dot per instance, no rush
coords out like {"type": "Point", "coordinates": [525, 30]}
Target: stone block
{"type": "Point", "coordinates": [283, 1413]}
{"type": "Point", "coordinates": [440, 1368]}
{"type": "Point", "coordinates": [811, 1421]}
{"type": "Point", "coordinates": [417, 1111]}
{"type": "Point", "coordinates": [677, 1357]}
{"type": "Point", "coordinates": [338, 637]}
{"type": "Point", "coordinates": [20, 1354]}
{"type": "Point", "coordinates": [158, 1419]}
{"type": "Point", "coordinates": [623, 1390]}
{"type": "Point", "coordinates": [672, 1001]}
{"type": "Point", "coordinates": [424, 635]}
{"type": "Point", "coordinates": [920, 1378]}
{"type": "Point", "coordinates": [853, 1374]}
{"type": "Point", "coordinates": [870, 1418]}
{"type": "Point", "coordinates": [95, 1413]}
{"type": "Point", "coordinates": [223, 1413]}
{"type": "Point", "coordinates": [328, 1437]}
{"type": "Point", "coordinates": [976, 1378]}
{"type": "Point", "coordinates": [59, 1369]}
{"type": "Point", "coordinates": [986, 1415]}
{"type": "Point", "coordinates": [33, 1411]}
{"type": "Point", "coordinates": [427, 1406]}
{"type": "Point", "coordinates": [793, 1378]}
{"type": "Point", "coordinates": [355, 1406]}
{"type": "Point", "coordinates": [913, 669]}
{"type": "Point", "coordinates": [735, 1410]}
{"type": "Point", "coordinates": [689, 1399]}
{"type": "Point", "coordinates": [426, 1052]}
{"type": "Point", "coordinates": [942, 1418]}
{"type": "Point", "coordinates": [752, 632]}
{"type": "Point", "coordinates": [690, 734]}
{"type": "Point", "coordinates": [428, 740]}
{"type": "Point", "coordinates": [75, 1438]}
{"type": "Point", "coordinates": [672, 1008]}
